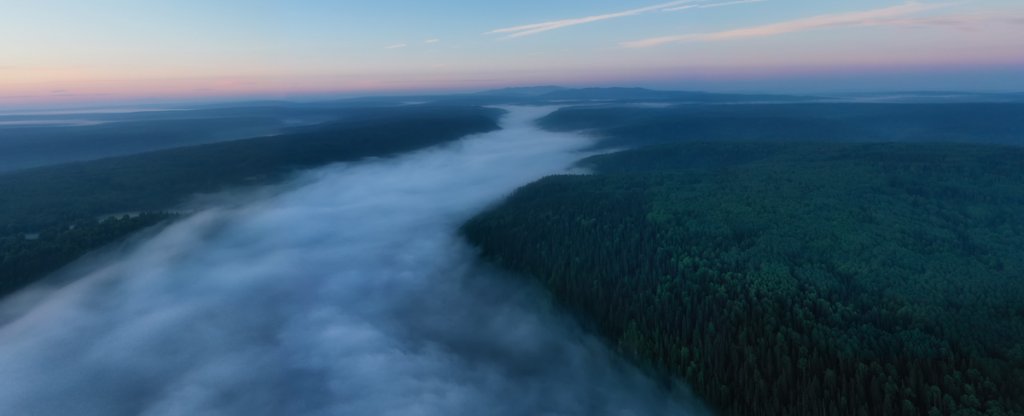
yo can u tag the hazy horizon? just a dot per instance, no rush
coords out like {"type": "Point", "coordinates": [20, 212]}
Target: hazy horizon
{"type": "Point", "coordinates": [118, 52]}
{"type": "Point", "coordinates": [171, 104]}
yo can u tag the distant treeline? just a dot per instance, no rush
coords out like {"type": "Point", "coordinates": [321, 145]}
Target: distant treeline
{"type": "Point", "coordinates": [42, 197]}
{"type": "Point", "coordinates": [63, 203]}
{"type": "Point", "coordinates": [36, 143]}
{"type": "Point", "coordinates": [785, 278]}
{"type": "Point", "coordinates": [1001, 123]}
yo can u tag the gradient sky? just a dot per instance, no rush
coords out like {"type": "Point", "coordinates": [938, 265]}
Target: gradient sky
{"type": "Point", "coordinates": [66, 51]}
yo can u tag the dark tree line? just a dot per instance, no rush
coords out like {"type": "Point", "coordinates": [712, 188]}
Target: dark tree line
{"type": "Point", "coordinates": [792, 278]}
{"type": "Point", "coordinates": [24, 258]}
{"type": "Point", "coordinates": [57, 195]}
{"type": "Point", "coordinates": [837, 122]}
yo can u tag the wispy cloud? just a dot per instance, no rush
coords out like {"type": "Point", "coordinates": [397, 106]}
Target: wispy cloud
{"type": "Point", "coordinates": [895, 15]}
{"type": "Point", "coordinates": [535, 28]}
{"type": "Point", "coordinates": [396, 46]}
{"type": "Point", "coordinates": [432, 41]}
{"type": "Point", "coordinates": [968, 22]}
{"type": "Point", "coordinates": [711, 5]}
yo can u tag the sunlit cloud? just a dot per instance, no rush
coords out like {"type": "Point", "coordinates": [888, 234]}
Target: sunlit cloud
{"type": "Point", "coordinates": [397, 46]}
{"type": "Point", "coordinates": [432, 41]}
{"type": "Point", "coordinates": [535, 28]}
{"type": "Point", "coordinates": [896, 15]}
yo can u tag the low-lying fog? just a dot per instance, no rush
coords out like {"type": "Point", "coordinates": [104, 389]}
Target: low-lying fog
{"type": "Point", "coordinates": [348, 294]}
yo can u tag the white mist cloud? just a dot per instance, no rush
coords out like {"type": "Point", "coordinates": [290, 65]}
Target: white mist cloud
{"type": "Point", "coordinates": [350, 294]}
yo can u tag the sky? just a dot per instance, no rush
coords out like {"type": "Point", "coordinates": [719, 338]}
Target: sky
{"type": "Point", "coordinates": [66, 51]}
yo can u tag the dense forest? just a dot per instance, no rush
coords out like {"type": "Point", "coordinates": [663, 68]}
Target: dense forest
{"type": "Point", "coordinates": [42, 200]}
{"type": "Point", "coordinates": [26, 257]}
{"type": "Point", "coordinates": [860, 122]}
{"type": "Point", "coordinates": [792, 278]}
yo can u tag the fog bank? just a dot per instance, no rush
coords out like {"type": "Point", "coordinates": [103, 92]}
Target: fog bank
{"type": "Point", "coordinates": [348, 294]}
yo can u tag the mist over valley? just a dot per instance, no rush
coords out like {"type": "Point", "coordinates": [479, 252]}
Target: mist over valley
{"type": "Point", "coordinates": [582, 207]}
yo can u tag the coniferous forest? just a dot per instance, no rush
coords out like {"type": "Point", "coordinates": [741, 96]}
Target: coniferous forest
{"type": "Point", "coordinates": [792, 278]}
{"type": "Point", "coordinates": [25, 258]}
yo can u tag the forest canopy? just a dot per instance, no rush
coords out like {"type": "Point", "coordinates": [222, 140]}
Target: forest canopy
{"type": "Point", "coordinates": [618, 126]}
{"type": "Point", "coordinates": [792, 278]}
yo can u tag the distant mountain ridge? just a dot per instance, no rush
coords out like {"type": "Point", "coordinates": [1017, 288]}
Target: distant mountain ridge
{"type": "Point", "coordinates": [555, 93]}
{"type": "Point", "coordinates": [524, 91]}
{"type": "Point", "coordinates": [541, 94]}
